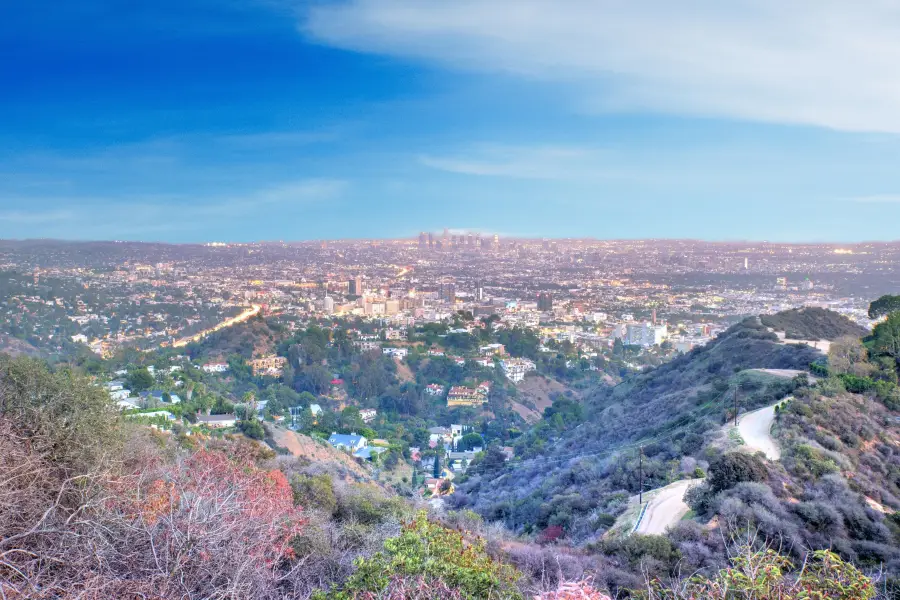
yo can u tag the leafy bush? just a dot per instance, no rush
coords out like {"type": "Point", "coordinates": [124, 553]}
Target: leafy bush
{"type": "Point", "coordinates": [756, 574]}
{"type": "Point", "coordinates": [427, 551]}
{"type": "Point", "coordinates": [733, 468]}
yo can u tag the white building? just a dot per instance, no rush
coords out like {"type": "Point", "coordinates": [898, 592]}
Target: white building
{"type": "Point", "coordinates": [396, 352]}
{"type": "Point", "coordinates": [217, 421]}
{"type": "Point", "coordinates": [215, 367]}
{"type": "Point", "coordinates": [328, 305]}
{"type": "Point", "coordinates": [645, 334]}
{"type": "Point", "coordinates": [516, 368]}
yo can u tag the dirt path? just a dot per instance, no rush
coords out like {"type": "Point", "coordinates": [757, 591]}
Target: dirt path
{"type": "Point", "coordinates": [820, 345]}
{"type": "Point", "coordinates": [666, 508]}
{"type": "Point", "coordinates": [531, 416]}
{"type": "Point", "coordinates": [786, 373]}
{"type": "Point", "coordinates": [404, 373]}
{"type": "Point", "coordinates": [756, 430]}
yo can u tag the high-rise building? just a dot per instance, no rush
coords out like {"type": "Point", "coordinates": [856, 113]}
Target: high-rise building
{"type": "Point", "coordinates": [496, 242]}
{"type": "Point", "coordinates": [431, 240]}
{"type": "Point", "coordinates": [328, 305]}
{"type": "Point", "coordinates": [423, 240]}
{"type": "Point", "coordinates": [545, 302]}
{"type": "Point", "coordinates": [355, 287]}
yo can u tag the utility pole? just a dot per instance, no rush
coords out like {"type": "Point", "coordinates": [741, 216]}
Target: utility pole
{"type": "Point", "coordinates": [735, 406]}
{"type": "Point", "coordinates": [641, 477]}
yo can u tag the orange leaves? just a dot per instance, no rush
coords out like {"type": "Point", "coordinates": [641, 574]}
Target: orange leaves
{"type": "Point", "coordinates": [160, 498]}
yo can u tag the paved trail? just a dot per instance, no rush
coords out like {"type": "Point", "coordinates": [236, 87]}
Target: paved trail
{"type": "Point", "coordinates": [666, 508]}
{"type": "Point", "coordinates": [756, 429]}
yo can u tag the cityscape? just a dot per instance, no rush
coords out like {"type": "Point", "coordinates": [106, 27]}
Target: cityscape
{"type": "Point", "coordinates": [111, 296]}
{"type": "Point", "coordinates": [469, 300]}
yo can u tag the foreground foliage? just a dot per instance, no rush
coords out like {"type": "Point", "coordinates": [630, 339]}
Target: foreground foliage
{"type": "Point", "coordinates": [428, 552]}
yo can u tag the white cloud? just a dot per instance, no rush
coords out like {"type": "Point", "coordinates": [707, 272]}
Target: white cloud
{"type": "Point", "coordinates": [23, 217]}
{"type": "Point", "coordinates": [879, 199]}
{"type": "Point", "coordinates": [135, 216]}
{"type": "Point", "coordinates": [522, 162]}
{"type": "Point", "coordinates": [826, 63]}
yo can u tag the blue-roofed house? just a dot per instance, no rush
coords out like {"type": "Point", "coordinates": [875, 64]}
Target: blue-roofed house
{"type": "Point", "coordinates": [352, 443]}
{"type": "Point", "coordinates": [159, 397]}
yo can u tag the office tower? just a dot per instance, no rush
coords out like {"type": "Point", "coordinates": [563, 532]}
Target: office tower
{"type": "Point", "coordinates": [355, 287]}
{"type": "Point", "coordinates": [423, 241]}
{"type": "Point", "coordinates": [545, 302]}
{"type": "Point", "coordinates": [328, 305]}
{"type": "Point", "coordinates": [431, 240]}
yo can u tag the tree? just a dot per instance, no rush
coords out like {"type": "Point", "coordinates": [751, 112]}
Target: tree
{"type": "Point", "coordinates": [733, 468]}
{"type": "Point", "coordinates": [140, 380]}
{"type": "Point", "coordinates": [252, 428]}
{"type": "Point", "coordinates": [884, 306]}
{"type": "Point", "coordinates": [470, 441]}
{"type": "Point", "coordinates": [886, 337]}
{"type": "Point", "coordinates": [848, 355]}
{"type": "Point", "coordinates": [436, 470]}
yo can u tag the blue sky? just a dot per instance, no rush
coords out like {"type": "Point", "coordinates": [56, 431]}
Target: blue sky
{"type": "Point", "coordinates": [203, 120]}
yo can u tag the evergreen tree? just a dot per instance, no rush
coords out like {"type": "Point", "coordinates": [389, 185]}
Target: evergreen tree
{"type": "Point", "coordinates": [437, 467]}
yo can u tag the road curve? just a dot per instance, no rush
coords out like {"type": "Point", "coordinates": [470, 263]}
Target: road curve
{"type": "Point", "coordinates": [666, 508]}
{"type": "Point", "coordinates": [756, 430]}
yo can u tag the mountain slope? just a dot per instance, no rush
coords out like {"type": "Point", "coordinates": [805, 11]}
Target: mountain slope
{"type": "Point", "coordinates": [812, 323]}
{"type": "Point", "coordinates": [580, 477]}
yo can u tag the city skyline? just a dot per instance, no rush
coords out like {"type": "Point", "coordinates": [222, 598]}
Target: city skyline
{"type": "Point", "coordinates": [249, 120]}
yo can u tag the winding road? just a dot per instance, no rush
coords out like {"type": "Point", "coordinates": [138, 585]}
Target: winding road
{"type": "Point", "coordinates": [756, 430]}
{"type": "Point", "coordinates": [250, 312]}
{"type": "Point", "coordinates": [666, 508]}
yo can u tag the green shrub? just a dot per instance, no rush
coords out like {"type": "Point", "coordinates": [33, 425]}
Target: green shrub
{"type": "Point", "coordinates": [426, 550]}
{"type": "Point", "coordinates": [734, 468]}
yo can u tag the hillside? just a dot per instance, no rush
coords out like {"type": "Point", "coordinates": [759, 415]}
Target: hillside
{"type": "Point", "coordinates": [833, 483]}
{"type": "Point", "coordinates": [338, 464]}
{"type": "Point", "coordinates": [580, 474]}
{"type": "Point", "coordinates": [255, 337]}
{"type": "Point", "coordinates": [16, 347]}
{"type": "Point", "coordinates": [812, 323]}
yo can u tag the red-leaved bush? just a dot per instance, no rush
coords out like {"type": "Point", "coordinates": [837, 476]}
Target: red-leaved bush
{"type": "Point", "coordinates": [580, 590]}
{"type": "Point", "coordinates": [198, 526]}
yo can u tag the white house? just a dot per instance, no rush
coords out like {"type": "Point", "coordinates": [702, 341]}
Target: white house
{"type": "Point", "coordinates": [515, 368]}
{"type": "Point", "coordinates": [396, 352]}
{"type": "Point", "coordinates": [217, 421]}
